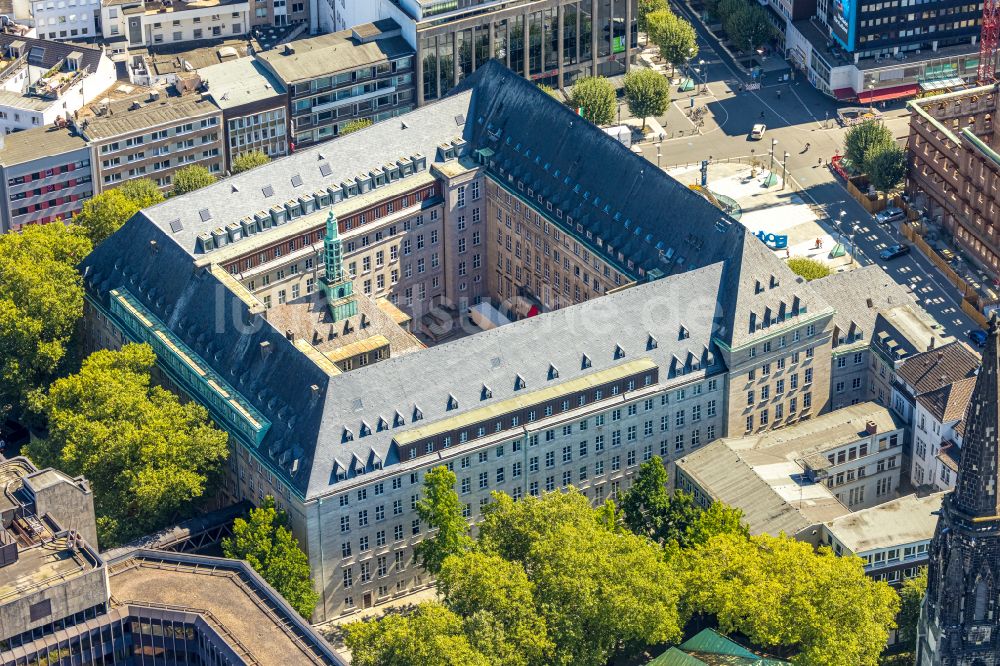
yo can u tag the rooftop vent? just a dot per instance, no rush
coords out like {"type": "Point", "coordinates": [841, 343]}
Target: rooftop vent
{"type": "Point", "coordinates": [871, 427]}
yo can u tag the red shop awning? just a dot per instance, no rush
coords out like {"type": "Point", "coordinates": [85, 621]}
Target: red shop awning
{"type": "Point", "coordinates": [870, 96]}
{"type": "Point", "coordinates": [844, 93]}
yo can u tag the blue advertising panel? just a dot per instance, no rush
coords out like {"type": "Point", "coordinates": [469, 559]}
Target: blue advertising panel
{"type": "Point", "coordinates": [843, 20]}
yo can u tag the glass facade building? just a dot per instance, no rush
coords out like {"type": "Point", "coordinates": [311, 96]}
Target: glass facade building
{"type": "Point", "coordinates": [549, 41]}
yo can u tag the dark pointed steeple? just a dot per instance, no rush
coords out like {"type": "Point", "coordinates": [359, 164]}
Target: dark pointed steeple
{"type": "Point", "coordinates": [976, 492]}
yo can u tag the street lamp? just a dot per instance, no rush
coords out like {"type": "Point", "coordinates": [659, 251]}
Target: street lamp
{"type": "Point", "coordinates": [784, 169]}
{"type": "Point", "coordinates": [774, 142]}
{"type": "Point", "coordinates": [619, 114]}
{"type": "Point", "coordinates": [840, 220]}
{"type": "Point", "coordinates": [753, 163]}
{"type": "Point", "coordinates": [658, 155]}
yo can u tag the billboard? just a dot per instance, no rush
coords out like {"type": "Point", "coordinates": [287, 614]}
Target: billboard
{"type": "Point", "coordinates": [843, 20]}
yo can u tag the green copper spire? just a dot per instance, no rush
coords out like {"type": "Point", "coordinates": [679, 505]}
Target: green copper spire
{"type": "Point", "coordinates": [337, 286]}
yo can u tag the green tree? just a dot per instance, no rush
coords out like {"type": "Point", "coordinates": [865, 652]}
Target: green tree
{"type": "Point", "coordinates": [746, 26]}
{"type": "Point", "coordinates": [550, 91]}
{"type": "Point", "coordinates": [885, 167]}
{"type": "Point", "coordinates": [673, 36]}
{"type": "Point", "coordinates": [249, 160]}
{"type": "Point", "coordinates": [103, 214]}
{"type": "Point", "coordinates": [441, 510]}
{"type": "Point", "coordinates": [647, 93]}
{"type": "Point", "coordinates": [781, 593]}
{"type": "Point", "coordinates": [41, 301]}
{"type": "Point", "coordinates": [266, 543]}
{"type": "Point", "coordinates": [717, 519]}
{"type": "Point", "coordinates": [355, 125]}
{"type": "Point", "coordinates": [646, 503]}
{"type": "Point", "coordinates": [141, 191]}
{"type": "Point", "coordinates": [430, 636]}
{"type": "Point", "coordinates": [911, 596]}
{"type": "Point", "coordinates": [863, 138]}
{"type": "Point", "coordinates": [600, 591]}
{"type": "Point", "coordinates": [810, 269]}
{"type": "Point", "coordinates": [497, 599]}
{"type": "Point", "coordinates": [596, 98]}
{"type": "Point", "coordinates": [192, 178]}
{"type": "Point", "coordinates": [148, 456]}
{"type": "Point", "coordinates": [644, 9]}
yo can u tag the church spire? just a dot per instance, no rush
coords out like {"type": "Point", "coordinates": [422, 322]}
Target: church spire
{"type": "Point", "coordinates": [976, 494]}
{"type": "Point", "coordinates": [337, 285]}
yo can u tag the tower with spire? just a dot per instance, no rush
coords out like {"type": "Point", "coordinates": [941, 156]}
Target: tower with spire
{"type": "Point", "coordinates": [336, 284]}
{"type": "Point", "coordinates": [960, 618]}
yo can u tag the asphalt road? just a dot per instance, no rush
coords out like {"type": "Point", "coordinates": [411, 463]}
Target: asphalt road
{"type": "Point", "coordinates": [796, 115]}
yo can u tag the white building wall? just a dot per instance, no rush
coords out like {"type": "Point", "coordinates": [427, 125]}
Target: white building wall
{"type": "Point", "coordinates": [929, 435]}
{"type": "Point", "coordinates": [66, 19]}
{"type": "Point", "coordinates": [215, 22]}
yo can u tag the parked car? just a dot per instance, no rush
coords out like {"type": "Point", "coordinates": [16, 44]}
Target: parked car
{"type": "Point", "coordinates": [947, 255]}
{"type": "Point", "coordinates": [757, 131]}
{"type": "Point", "coordinates": [978, 337]}
{"type": "Point", "coordinates": [890, 215]}
{"type": "Point", "coordinates": [894, 251]}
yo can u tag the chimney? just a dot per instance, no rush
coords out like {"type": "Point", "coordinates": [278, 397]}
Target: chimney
{"type": "Point", "coordinates": [289, 334]}
{"type": "Point", "coordinates": [265, 349]}
{"type": "Point", "coordinates": [871, 427]}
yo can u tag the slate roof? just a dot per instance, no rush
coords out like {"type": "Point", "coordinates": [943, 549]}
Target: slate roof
{"type": "Point", "coordinates": [47, 53]}
{"type": "Point", "coordinates": [713, 265]}
{"type": "Point", "coordinates": [930, 370]}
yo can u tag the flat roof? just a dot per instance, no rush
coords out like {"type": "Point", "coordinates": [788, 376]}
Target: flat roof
{"type": "Point", "coordinates": [821, 433]}
{"type": "Point", "coordinates": [189, 56]}
{"type": "Point", "coordinates": [39, 142]}
{"type": "Point", "coordinates": [237, 599]}
{"type": "Point", "coordinates": [41, 565]}
{"type": "Point", "coordinates": [238, 82]}
{"type": "Point", "coordinates": [336, 52]}
{"type": "Point", "coordinates": [26, 102]}
{"type": "Point", "coordinates": [905, 520]}
{"type": "Point", "coordinates": [165, 111]}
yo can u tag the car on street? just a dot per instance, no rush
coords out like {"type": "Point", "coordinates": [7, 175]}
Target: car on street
{"type": "Point", "coordinates": [978, 337]}
{"type": "Point", "coordinates": [894, 251]}
{"type": "Point", "coordinates": [757, 131]}
{"type": "Point", "coordinates": [890, 215]}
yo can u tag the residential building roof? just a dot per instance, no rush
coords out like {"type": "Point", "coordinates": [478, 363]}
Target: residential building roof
{"type": "Point", "coordinates": [818, 434]}
{"type": "Point", "coordinates": [324, 55]}
{"type": "Point", "coordinates": [949, 402]}
{"type": "Point", "coordinates": [166, 110]}
{"type": "Point", "coordinates": [185, 57]}
{"type": "Point", "coordinates": [21, 147]}
{"type": "Point", "coordinates": [902, 521]}
{"type": "Point", "coordinates": [933, 369]}
{"type": "Point", "coordinates": [238, 82]}
{"type": "Point", "coordinates": [25, 102]}
{"type": "Point", "coordinates": [775, 498]}
{"type": "Point", "coordinates": [46, 53]}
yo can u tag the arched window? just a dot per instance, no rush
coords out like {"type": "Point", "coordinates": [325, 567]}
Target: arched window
{"type": "Point", "coordinates": [981, 601]}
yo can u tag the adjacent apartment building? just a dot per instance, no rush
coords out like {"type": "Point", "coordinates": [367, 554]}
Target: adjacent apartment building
{"type": "Point", "coordinates": [67, 19]}
{"type": "Point", "coordinates": [693, 331]}
{"type": "Point", "coordinates": [153, 137]}
{"type": "Point", "coordinates": [254, 107]}
{"type": "Point", "coordinates": [335, 79]}
{"type": "Point", "coordinates": [42, 81]}
{"type": "Point", "coordinates": [954, 169]}
{"type": "Point", "coordinates": [143, 23]}
{"type": "Point", "coordinates": [45, 175]}
{"type": "Point", "coordinates": [548, 41]}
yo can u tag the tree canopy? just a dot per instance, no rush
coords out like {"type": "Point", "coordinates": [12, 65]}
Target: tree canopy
{"type": "Point", "coordinates": [41, 301]}
{"type": "Point", "coordinates": [141, 191]}
{"type": "Point", "coordinates": [644, 9]}
{"type": "Point", "coordinates": [432, 635]}
{"type": "Point", "coordinates": [191, 178]}
{"type": "Point", "coordinates": [911, 596]}
{"type": "Point", "coordinates": [885, 166]}
{"type": "Point", "coordinates": [104, 213]}
{"type": "Point", "coordinates": [148, 456]}
{"type": "Point", "coordinates": [442, 511]}
{"type": "Point", "coordinates": [249, 160]}
{"type": "Point", "coordinates": [266, 543]}
{"type": "Point", "coordinates": [673, 36]}
{"type": "Point", "coordinates": [780, 593]}
{"type": "Point", "coordinates": [810, 269]}
{"type": "Point", "coordinates": [746, 24]}
{"type": "Point", "coordinates": [647, 93]}
{"type": "Point", "coordinates": [595, 97]}
{"type": "Point", "coordinates": [861, 139]}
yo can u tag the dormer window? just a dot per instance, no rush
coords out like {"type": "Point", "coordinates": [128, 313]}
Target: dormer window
{"type": "Point", "coordinates": [585, 363]}
{"type": "Point", "coordinates": [347, 436]}
{"type": "Point", "coordinates": [519, 383]}
{"type": "Point", "coordinates": [365, 429]}
{"type": "Point", "coordinates": [619, 352]}
{"type": "Point", "coordinates": [553, 372]}
{"type": "Point", "coordinates": [452, 403]}
{"type": "Point", "coordinates": [485, 393]}
{"type": "Point", "coordinates": [651, 341]}
{"type": "Point", "coordinates": [417, 414]}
